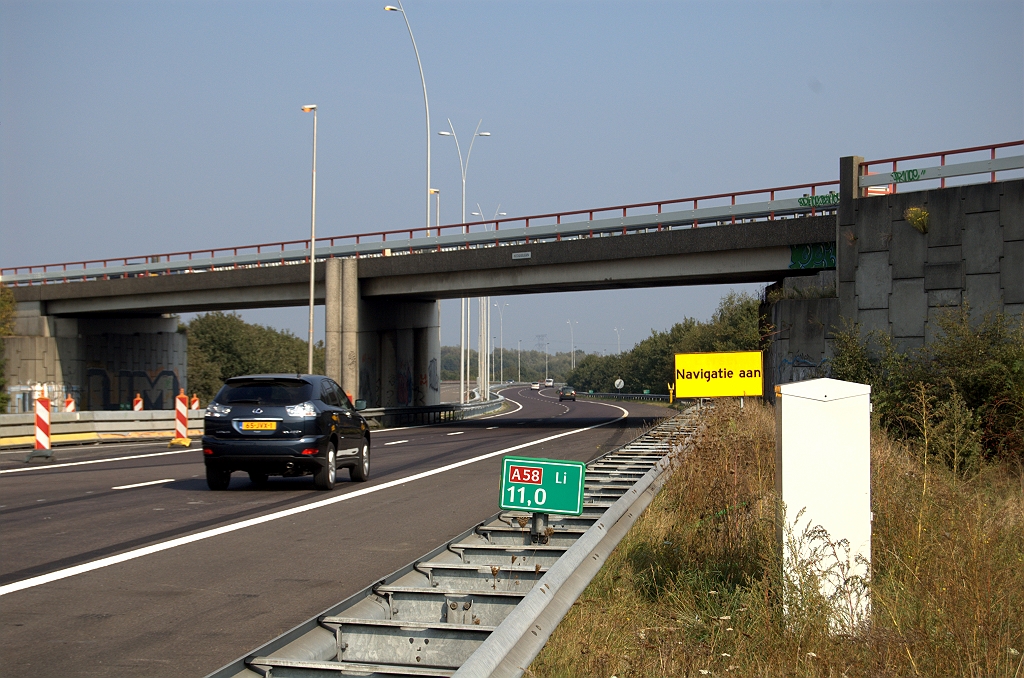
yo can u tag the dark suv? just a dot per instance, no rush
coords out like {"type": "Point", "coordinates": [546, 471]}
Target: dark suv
{"type": "Point", "coordinates": [281, 424]}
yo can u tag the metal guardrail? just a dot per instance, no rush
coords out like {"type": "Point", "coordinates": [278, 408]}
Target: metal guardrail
{"type": "Point", "coordinates": [390, 417]}
{"type": "Point", "coordinates": [651, 397]}
{"type": "Point", "coordinates": [544, 228]}
{"type": "Point", "coordinates": [633, 218]}
{"type": "Point", "coordinates": [487, 601]}
{"type": "Point", "coordinates": [942, 171]}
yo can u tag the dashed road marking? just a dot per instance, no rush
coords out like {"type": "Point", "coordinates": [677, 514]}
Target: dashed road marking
{"type": "Point", "coordinates": [396, 442]}
{"type": "Point", "coordinates": [151, 482]}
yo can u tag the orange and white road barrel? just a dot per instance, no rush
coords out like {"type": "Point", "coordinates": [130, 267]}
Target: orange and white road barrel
{"type": "Point", "coordinates": [137, 403]}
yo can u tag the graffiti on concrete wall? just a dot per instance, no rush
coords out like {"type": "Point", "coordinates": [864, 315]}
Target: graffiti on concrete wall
{"type": "Point", "coordinates": [115, 389]}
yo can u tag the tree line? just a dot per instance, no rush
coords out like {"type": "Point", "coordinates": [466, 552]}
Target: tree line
{"type": "Point", "coordinates": [650, 365]}
{"type": "Point", "coordinates": [222, 345]}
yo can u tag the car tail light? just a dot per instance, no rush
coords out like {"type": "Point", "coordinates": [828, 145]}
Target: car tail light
{"type": "Point", "coordinates": [311, 451]}
{"type": "Point", "coordinates": [207, 451]}
{"type": "Point", "coordinates": [304, 410]}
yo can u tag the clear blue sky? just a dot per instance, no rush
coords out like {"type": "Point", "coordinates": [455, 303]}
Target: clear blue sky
{"type": "Point", "coordinates": [129, 128]}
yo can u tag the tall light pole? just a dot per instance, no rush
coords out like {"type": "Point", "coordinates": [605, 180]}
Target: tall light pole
{"type": "Point", "coordinates": [546, 360]}
{"type": "Point", "coordinates": [312, 242]}
{"type": "Point", "coordinates": [426, 104]}
{"type": "Point", "coordinates": [519, 352]}
{"type": "Point", "coordinates": [572, 343]}
{"type": "Point", "coordinates": [485, 302]}
{"type": "Point", "coordinates": [463, 167]}
{"type": "Point", "coordinates": [618, 339]}
{"type": "Point", "coordinates": [437, 213]}
{"type": "Point", "coordinates": [501, 340]}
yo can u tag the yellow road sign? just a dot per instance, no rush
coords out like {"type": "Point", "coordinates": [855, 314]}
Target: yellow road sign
{"type": "Point", "coordinates": [710, 375]}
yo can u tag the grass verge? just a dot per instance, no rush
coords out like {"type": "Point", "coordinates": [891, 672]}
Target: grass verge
{"type": "Point", "coordinates": [695, 588]}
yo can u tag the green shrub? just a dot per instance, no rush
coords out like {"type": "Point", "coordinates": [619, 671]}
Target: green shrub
{"type": "Point", "coordinates": [966, 387]}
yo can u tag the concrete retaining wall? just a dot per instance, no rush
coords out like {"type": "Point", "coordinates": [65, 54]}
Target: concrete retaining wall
{"type": "Point", "coordinates": [895, 279]}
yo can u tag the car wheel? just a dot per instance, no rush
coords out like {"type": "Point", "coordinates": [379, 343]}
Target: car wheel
{"type": "Point", "coordinates": [258, 477]}
{"type": "Point", "coordinates": [217, 479]}
{"type": "Point", "coordinates": [361, 471]}
{"type": "Point", "coordinates": [324, 478]}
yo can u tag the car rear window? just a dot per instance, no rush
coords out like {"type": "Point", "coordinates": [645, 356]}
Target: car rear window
{"type": "Point", "coordinates": [265, 392]}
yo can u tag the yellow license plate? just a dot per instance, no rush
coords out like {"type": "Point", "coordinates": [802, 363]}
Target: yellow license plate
{"type": "Point", "coordinates": [259, 425]}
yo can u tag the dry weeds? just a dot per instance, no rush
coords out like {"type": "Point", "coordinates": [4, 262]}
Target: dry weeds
{"type": "Point", "coordinates": [694, 589]}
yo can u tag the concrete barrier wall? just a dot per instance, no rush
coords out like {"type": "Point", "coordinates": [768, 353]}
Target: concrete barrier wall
{"type": "Point", "coordinates": [18, 430]}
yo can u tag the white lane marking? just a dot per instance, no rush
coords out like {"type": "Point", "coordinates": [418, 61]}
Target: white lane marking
{"type": "Point", "coordinates": [491, 428]}
{"type": "Point", "coordinates": [504, 414]}
{"type": "Point", "coordinates": [455, 433]}
{"type": "Point", "coordinates": [95, 461]}
{"type": "Point", "coordinates": [95, 444]}
{"type": "Point", "coordinates": [233, 527]}
{"type": "Point", "coordinates": [151, 482]}
{"type": "Point", "coordinates": [396, 442]}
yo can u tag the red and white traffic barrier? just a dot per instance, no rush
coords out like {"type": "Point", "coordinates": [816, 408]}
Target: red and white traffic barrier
{"type": "Point", "coordinates": [42, 423]}
{"type": "Point", "coordinates": [137, 403]}
{"type": "Point", "coordinates": [69, 404]}
{"type": "Point", "coordinates": [181, 415]}
{"type": "Point", "coordinates": [195, 402]}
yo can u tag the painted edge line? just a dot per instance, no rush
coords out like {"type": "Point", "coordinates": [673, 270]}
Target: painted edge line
{"type": "Point", "coordinates": [96, 461]}
{"type": "Point", "coordinates": [225, 529]}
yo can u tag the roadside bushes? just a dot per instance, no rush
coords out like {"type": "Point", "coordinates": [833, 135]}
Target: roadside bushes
{"type": "Point", "coordinates": [963, 394]}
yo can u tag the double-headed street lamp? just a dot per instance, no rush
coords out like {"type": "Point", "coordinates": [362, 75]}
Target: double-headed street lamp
{"type": "Point", "coordinates": [312, 242]}
{"type": "Point", "coordinates": [426, 104]}
{"type": "Point", "coordinates": [463, 323]}
{"type": "Point", "coordinates": [618, 339]}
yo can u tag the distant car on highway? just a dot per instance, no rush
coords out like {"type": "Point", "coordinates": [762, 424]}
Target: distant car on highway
{"type": "Point", "coordinates": [567, 393]}
{"type": "Point", "coordinates": [549, 382]}
{"type": "Point", "coordinates": [287, 425]}
{"type": "Point", "coordinates": [535, 386]}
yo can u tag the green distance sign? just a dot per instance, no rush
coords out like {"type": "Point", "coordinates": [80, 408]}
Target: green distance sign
{"type": "Point", "coordinates": [542, 485]}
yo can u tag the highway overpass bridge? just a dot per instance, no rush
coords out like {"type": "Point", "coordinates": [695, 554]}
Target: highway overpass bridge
{"type": "Point", "coordinates": [106, 326]}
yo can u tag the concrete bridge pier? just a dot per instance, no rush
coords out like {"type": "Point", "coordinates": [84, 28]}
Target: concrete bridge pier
{"type": "Point", "coordinates": [384, 351]}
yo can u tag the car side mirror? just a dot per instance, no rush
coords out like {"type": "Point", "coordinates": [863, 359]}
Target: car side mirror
{"type": "Point", "coordinates": [360, 405]}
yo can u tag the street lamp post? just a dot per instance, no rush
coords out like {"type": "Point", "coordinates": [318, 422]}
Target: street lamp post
{"type": "Point", "coordinates": [426, 104]}
{"type": "Point", "coordinates": [572, 343]}
{"type": "Point", "coordinates": [501, 340]}
{"type": "Point", "coordinates": [437, 213]}
{"type": "Point", "coordinates": [546, 360]}
{"type": "Point", "coordinates": [312, 243]}
{"type": "Point", "coordinates": [618, 339]}
{"type": "Point", "coordinates": [463, 167]}
{"type": "Point", "coordinates": [519, 353]}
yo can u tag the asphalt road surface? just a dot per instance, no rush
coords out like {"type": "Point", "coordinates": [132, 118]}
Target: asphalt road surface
{"type": "Point", "coordinates": [117, 560]}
